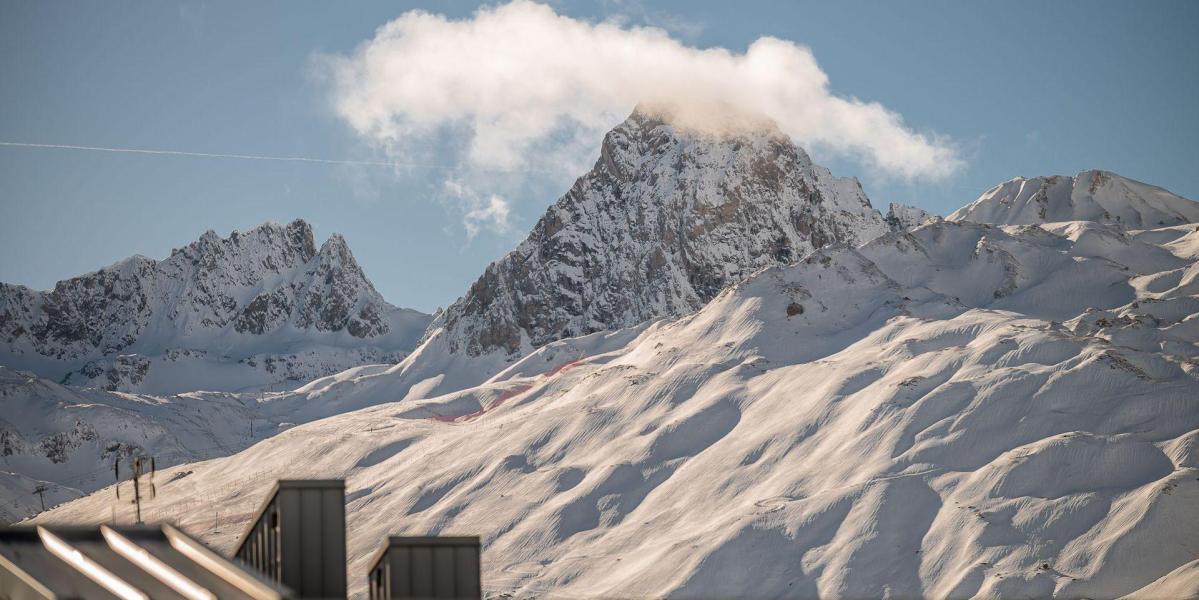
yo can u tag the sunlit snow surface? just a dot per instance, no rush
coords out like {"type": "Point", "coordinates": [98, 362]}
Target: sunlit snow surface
{"type": "Point", "coordinates": [1100, 196]}
{"type": "Point", "coordinates": [960, 410]}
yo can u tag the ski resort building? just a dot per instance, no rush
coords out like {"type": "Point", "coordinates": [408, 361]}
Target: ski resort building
{"type": "Point", "coordinates": [426, 567]}
{"type": "Point", "coordinates": [131, 563]}
{"type": "Point", "coordinates": [295, 547]}
{"type": "Point", "coordinates": [298, 540]}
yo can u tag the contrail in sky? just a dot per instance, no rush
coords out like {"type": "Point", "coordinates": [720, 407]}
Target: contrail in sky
{"type": "Point", "coordinates": [210, 154]}
{"type": "Point", "coordinates": [303, 159]}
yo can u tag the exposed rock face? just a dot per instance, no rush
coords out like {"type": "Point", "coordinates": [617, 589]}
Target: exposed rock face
{"type": "Point", "coordinates": [226, 297]}
{"type": "Point", "coordinates": [901, 217]}
{"type": "Point", "coordinates": [664, 220]}
{"type": "Point", "coordinates": [1099, 196]}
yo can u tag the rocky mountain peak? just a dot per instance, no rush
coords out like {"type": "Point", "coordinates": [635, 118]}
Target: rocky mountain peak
{"type": "Point", "coordinates": [214, 294]}
{"type": "Point", "coordinates": [901, 217]}
{"type": "Point", "coordinates": [703, 122]}
{"type": "Point", "coordinates": [267, 248]}
{"type": "Point", "coordinates": [653, 134]}
{"type": "Point", "coordinates": [669, 215]}
{"type": "Point", "coordinates": [335, 252]}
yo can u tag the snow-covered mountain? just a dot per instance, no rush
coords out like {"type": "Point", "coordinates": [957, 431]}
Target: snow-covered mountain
{"type": "Point", "coordinates": [715, 370]}
{"type": "Point", "coordinates": [666, 219]}
{"type": "Point", "coordinates": [959, 410]}
{"type": "Point", "coordinates": [1099, 196]}
{"type": "Point", "coordinates": [901, 217]}
{"type": "Point", "coordinates": [259, 309]}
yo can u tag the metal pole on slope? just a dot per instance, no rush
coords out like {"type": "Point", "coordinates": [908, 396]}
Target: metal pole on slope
{"type": "Point", "coordinates": [153, 487]}
{"type": "Point", "coordinates": [137, 495]}
{"type": "Point", "coordinates": [40, 490]}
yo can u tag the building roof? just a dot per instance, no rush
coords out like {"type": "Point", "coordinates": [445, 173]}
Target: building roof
{"type": "Point", "coordinates": [122, 562]}
{"type": "Point", "coordinates": [283, 484]}
{"type": "Point", "coordinates": [414, 541]}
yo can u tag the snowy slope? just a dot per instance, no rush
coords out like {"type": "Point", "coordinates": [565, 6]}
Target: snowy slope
{"type": "Point", "coordinates": [259, 309]}
{"type": "Point", "coordinates": [666, 219]}
{"type": "Point", "coordinates": [954, 411]}
{"type": "Point", "coordinates": [68, 438]}
{"type": "Point", "coordinates": [1089, 196]}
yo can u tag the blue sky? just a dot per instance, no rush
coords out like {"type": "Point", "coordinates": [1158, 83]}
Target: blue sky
{"type": "Point", "coordinates": [1018, 88]}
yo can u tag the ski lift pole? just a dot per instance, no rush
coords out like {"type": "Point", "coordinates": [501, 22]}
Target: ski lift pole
{"type": "Point", "coordinates": [40, 491]}
{"type": "Point", "coordinates": [137, 496]}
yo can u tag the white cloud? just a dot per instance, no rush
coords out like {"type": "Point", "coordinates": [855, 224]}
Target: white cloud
{"type": "Point", "coordinates": [514, 77]}
{"type": "Point", "coordinates": [492, 212]}
{"type": "Point", "coordinates": [489, 211]}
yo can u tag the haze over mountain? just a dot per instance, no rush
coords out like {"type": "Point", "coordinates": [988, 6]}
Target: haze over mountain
{"type": "Point", "coordinates": [812, 401]}
{"type": "Point", "coordinates": [263, 308]}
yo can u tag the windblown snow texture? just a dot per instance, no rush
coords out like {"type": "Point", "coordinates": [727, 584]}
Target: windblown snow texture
{"type": "Point", "coordinates": [256, 309]}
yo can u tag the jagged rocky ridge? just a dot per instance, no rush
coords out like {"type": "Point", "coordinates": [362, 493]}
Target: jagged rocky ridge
{"type": "Point", "coordinates": [1099, 196]}
{"type": "Point", "coordinates": [665, 219]}
{"type": "Point", "coordinates": [259, 308]}
{"type": "Point", "coordinates": [901, 217]}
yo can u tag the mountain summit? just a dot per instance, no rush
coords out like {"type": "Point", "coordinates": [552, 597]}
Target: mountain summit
{"type": "Point", "coordinates": [666, 218]}
{"type": "Point", "coordinates": [1099, 196]}
{"type": "Point", "coordinates": [266, 299]}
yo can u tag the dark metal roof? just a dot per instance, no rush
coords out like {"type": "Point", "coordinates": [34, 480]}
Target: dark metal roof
{"type": "Point", "coordinates": [298, 537]}
{"type": "Point", "coordinates": [406, 541]}
{"type": "Point", "coordinates": [120, 562]}
{"type": "Point", "coordinates": [426, 567]}
{"type": "Point", "coordinates": [270, 497]}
